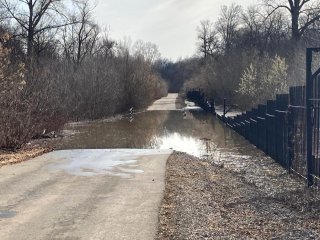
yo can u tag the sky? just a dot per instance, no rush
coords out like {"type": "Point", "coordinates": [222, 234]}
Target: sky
{"type": "Point", "coordinates": [170, 24]}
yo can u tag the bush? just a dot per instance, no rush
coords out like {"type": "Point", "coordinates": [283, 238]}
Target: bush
{"type": "Point", "coordinates": [263, 79]}
{"type": "Point", "coordinates": [15, 115]}
{"type": "Point", "coordinates": [26, 107]}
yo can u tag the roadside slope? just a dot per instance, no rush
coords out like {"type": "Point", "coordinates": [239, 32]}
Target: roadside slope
{"type": "Point", "coordinates": [205, 201]}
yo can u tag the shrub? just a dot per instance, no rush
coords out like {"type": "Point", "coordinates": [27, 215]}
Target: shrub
{"type": "Point", "coordinates": [263, 79]}
{"type": "Point", "coordinates": [27, 107]}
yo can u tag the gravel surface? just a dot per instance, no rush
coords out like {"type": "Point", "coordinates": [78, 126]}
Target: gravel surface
{"type": "Point", "coordinates": [208, 201]}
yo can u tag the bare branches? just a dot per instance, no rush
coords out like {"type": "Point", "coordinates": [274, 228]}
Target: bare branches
{"type": "Point", "coordinates": [296, 9]}
{"type": "Point", "coordinates": [35, 17]}
{"type": "Point", "coordinates": [80, 37]}
{"type": "Point", "coordinates": [11, 10]}
{"type": "Point", "coordinates": [207, 39]}
{"type": "Point", "coordinates": [228, 23]}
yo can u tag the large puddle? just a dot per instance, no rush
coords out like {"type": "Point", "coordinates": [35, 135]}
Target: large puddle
{"type": "Point", "coordinates": [192, 131]}
{"type": "Point", "coordinates": [113, 147]}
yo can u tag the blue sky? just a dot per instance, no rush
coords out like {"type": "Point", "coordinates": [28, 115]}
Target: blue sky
{"type": "Point", "coordinates": [171, 24]}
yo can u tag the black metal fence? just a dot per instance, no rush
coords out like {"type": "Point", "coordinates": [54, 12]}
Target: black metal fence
{"type": "Point", "coordinates": [297, 123]}
{"type": "Point", "coordinates": [287, 128]}
{"type": "Point", "coordinates": [312, 118]}
{"type": "Point", "coordinates": [279, 129]}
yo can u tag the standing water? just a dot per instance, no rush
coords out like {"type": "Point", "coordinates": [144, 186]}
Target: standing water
{"type": "Point", "coordinates": [194, 132]}
{"type": "Point", "coordinates": [191, 131]}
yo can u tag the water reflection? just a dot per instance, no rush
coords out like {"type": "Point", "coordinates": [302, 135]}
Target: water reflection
{"type": "Point", "coordinates": [191, 131]}
{"type": "Point", "coordinates": [194, 132]}
{"type": "Point", "coordinates": [181, 143]}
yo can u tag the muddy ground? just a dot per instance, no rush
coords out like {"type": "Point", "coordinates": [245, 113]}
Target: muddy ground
{"type": "Point", "coordinates": [206, 201]}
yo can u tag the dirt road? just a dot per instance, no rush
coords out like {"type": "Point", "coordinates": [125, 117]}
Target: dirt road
{"type": "Point", "coordinates": [83, 194]}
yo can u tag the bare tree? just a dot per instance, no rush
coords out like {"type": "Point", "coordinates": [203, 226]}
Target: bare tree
{"type": "Point", "coordinates": [105, 47]}
{"type": "Point", "coordinates": [79, 39]}
{"type": "Point", "coordinates": [45, 44]}
{"type": "Point", "coordinates": [207, 40]}
{"type": "Point", "coordinates": [34, 17]}
{"type": "Point", "coordinates": [304, 13]}
{"type": "Point", "coordinates": [149, 51]}
{"type": "Point", "coordinates": [252, 23]}
{"type": "Point", "coordinates": [262, 33]}
{"type": "Point", "coordinates": [228, 23]}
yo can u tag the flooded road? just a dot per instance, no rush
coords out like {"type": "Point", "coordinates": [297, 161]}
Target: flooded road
{"type": "Point", "coordinates": [189, 130]}
{"type": "Point", "coordinates": [107, 180]}
{"type": "Point", "coordinates": [193, 132]}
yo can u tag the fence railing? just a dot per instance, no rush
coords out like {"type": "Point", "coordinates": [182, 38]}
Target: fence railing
{"type": "Point", "coordinates": [278, 128]}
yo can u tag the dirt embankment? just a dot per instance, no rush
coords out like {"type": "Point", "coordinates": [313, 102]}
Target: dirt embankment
{"type": "Point", "coordinates": [10, 157]}
{"type": "Point", "coordinates": [205, 201]}
{"type": "Point", "coordinates": [31, 150]}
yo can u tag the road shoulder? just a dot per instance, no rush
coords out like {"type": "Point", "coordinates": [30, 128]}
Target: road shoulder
{"type": "Point", "coordinates": [205, 201]}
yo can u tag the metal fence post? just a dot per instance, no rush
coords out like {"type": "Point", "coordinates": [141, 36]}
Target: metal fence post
{"type": "Point", "coordinates": [309, 85]}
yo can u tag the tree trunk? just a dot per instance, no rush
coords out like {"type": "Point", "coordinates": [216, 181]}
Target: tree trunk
{"type": "Point", "coordinates": [30, 37]}
{"type": "Point", "coordinates": [296, 36]}
{"type": "Point", "coordinates": [30, 50]}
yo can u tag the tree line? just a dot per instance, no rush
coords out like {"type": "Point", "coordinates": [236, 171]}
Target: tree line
{"type": "Point", "coordinates": [251, 54]}
{"type": "Point", "coordinates": [56, 65]}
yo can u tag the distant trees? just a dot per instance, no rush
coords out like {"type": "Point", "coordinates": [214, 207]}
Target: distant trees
{"type": "Point", "coordinates": [178, 73]}
{"type": "Point", "coordinates": [219, 36]}
{"type": "Point", "coordinates": [146, 50]}
{"type": "Point", "coordinates": [253, 24]}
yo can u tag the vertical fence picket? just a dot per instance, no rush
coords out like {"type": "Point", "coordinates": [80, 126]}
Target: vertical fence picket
{"type": "Point", "coordinates": [271, 128]}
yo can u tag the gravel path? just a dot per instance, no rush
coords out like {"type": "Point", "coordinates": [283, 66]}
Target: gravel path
{"type": "Point", "coordinates": [206, 201]}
